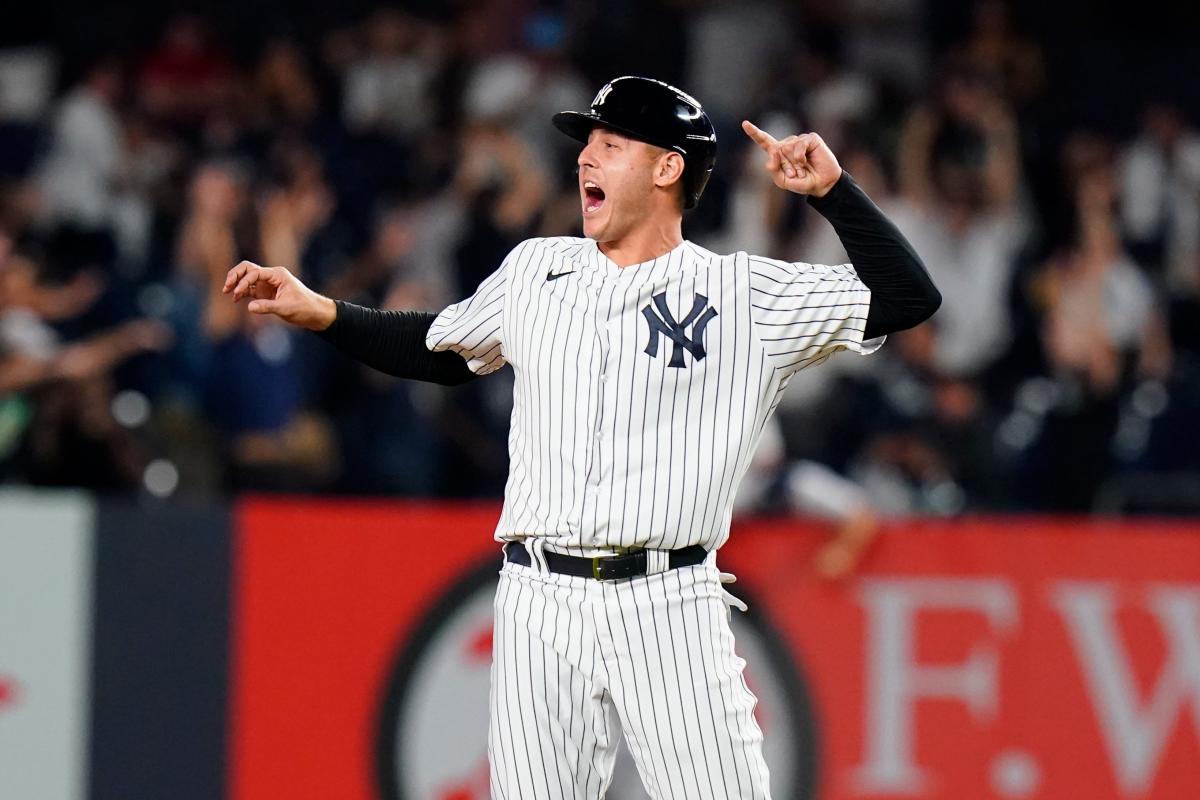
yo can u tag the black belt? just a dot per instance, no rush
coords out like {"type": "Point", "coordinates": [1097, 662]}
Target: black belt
{"type": "Point", "coordinates": [604, 568]}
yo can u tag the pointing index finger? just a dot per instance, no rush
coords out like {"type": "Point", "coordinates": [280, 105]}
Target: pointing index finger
{"type": "Point", "coordinates": [760, 137]}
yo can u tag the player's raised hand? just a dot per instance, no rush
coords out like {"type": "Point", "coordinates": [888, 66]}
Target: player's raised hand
{"type": "Point", "coordinates": [275, 290]}
{"type": "Point", "coordinates": [803, 164]}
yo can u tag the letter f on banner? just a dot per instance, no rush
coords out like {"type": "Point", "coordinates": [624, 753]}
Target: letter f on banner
{"type": "Point", "coordinates": [895, 681]}
{"type": "Point", "coordinates": [1135, 732]}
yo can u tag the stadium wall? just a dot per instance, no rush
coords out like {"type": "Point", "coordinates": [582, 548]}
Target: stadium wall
{"type": "Point", "coordinates": [299, 648]}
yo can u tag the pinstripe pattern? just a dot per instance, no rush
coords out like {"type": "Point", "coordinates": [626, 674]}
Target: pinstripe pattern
{"type": "Point", "coordinates": [658, 651]}
{"type": "Point", "coordinates": [611, 447]}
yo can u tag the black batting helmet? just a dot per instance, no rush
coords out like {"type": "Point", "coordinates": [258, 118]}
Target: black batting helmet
{"type": "Point", "coordinates": [653, 112]}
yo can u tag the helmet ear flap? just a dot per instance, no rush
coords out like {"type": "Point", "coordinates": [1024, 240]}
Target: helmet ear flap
{"type": "Point", "coordinates": [695, 178]}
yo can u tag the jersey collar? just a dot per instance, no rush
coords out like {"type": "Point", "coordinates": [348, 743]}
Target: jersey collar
{"type": "Point", "coordinates": [669, 261]}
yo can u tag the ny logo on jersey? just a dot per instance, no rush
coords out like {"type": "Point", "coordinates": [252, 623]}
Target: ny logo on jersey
{"type": "Point", "coordinates": [664, 323]}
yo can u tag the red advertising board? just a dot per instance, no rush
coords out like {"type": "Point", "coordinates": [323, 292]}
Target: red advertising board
{"type": "Point", "coordinates": [976, 658]}
{"type": "Point", "coordinates": [324, 595]}
{"type": "Point", "coordinates": [998, 658]}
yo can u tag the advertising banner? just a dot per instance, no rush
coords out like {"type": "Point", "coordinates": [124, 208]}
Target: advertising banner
{"type": "Point", "coordinates": [45, 585]}
{"type": "Point", "coordinates": [1007, 658]}
{"type": "Point", "coordinates": [326, 600]}
{"type": "Point", "coordinates": [997, 659]}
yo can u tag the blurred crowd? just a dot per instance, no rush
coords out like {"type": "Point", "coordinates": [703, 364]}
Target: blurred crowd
{"type": "Point", "coordinates": [393, 159]}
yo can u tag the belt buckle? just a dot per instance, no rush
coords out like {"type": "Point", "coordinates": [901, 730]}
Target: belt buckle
{"type": "Point", "coordinates": [614, 562]}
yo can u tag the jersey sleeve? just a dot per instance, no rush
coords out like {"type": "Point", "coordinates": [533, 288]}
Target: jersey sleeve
{"type": "Point", "coordinates": [804, 313]}
{"type": "Point", "coordinates": [473, 327]}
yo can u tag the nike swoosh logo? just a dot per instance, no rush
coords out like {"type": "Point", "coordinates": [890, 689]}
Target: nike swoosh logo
{"type": "Point", "coordinates": [553, 276]}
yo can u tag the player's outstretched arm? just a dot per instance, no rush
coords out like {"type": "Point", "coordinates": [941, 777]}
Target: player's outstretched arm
{"type": "Point", "coordinates": [389, 341]}
{"type": "Point", "coordinates": [902, 293]}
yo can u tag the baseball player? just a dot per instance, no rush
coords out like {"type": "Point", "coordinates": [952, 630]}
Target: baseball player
{"type": "Point", "coordinates": [645, 369]}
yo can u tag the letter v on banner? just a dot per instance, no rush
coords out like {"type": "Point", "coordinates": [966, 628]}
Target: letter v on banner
{"type": "Point", "coordinates": [1136, 731]}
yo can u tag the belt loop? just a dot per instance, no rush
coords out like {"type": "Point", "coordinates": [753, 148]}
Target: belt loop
{"type": "Point", "coordinates": [537, 553]}
{"type": "Point", "coordinates": [657, 561]}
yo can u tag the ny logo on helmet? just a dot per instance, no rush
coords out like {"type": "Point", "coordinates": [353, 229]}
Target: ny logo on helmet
{"type": "Point", "coordinates": [602, 94]}
{"type": "Point", "coordinates": [663, 323]}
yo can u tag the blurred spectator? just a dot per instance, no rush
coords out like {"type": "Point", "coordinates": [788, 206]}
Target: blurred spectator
{"type": "Point", "coordinates": [1103, 330]}
{"type": "Point", "coordinates": [832, 97]}
{"type": "Point", "coordinates": [244, 365]}
{"type": "Point", "coordinates": [27, 77]}
{"type": "Point", "coordinates": [209, 240]}
{"type": "Point", "coordinates": [56, 397]}
{"type": "Point", "coordinates": [388, 428]}
{"type": "Point", "coordinates": [26, 83]}
{"type": "Point", "coordinates": [959, 169]}
{"type": "Point", "coordinates": [285, 95]}
{"type": "Point", "coordinates": [996, 49]}
{"type": "Point", "coordinates": [186, 77]}
{"type": "Point", "coordinates": [532, 88]}
{"type": "Point", "coordinates": [929, 447]}
{"type": "Point", "coordinates": [382, 269]}
{"type": "Point", "coordinates": [387, 85]}
{"type": "Point", "coordinates": [79, 175]}
{"type": "Point", "coordinates": [1101, 308]}
{"type": "Point", "coordinates": [295, 207]}
{"type": "Point", "coordinates": [503, 188]}
{"type": "Point", "coordinates": [726, 85]}
{"type": "Point", "coordinates": [398, 157]}
{"type": "Point", "coordinates": [1160, 197]}
{"type": "Point", "coordinates": [149, 161]}
{"type": "Point", "coordinates": [887, 39]}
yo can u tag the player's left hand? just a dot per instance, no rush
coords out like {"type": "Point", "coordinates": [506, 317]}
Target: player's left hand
{"type": "Point", "coordinates": [803, 164]}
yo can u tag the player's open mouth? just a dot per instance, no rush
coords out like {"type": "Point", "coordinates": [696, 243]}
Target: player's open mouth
{"type": "Point", "coordinates": [593, 197]}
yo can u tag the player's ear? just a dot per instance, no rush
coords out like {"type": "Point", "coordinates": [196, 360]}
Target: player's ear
{"type": "Point", "coordinates": [668, 169]}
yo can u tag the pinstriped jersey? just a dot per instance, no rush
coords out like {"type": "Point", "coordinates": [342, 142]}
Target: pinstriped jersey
{"type": "Point", "coordinates": [640, 392]}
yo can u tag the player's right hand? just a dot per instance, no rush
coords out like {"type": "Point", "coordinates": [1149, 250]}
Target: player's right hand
{"type": "Point", "coordinates": [275, 290]}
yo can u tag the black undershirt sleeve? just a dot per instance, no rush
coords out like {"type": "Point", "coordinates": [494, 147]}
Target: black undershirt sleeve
{"type": "Point", "coordinates": [902, 293]}
{"type": "Point", "coordinates": [394, 342]}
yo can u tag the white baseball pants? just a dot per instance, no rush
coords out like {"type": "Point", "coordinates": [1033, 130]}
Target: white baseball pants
{"type": "Point", "coordinates": [658, 650]}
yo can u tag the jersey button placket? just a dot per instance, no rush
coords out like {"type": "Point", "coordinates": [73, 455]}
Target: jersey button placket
{"type": "Point", "coordinates": [598, 304]}
{"type": "Point", "coordinates": [601, 323]}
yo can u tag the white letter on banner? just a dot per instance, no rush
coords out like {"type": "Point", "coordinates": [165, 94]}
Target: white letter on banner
{"type": "Point", "coordinates": [895, 681]}
{"type": "Point", "coordinates": [1135, 732]}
